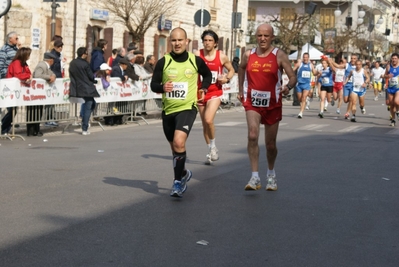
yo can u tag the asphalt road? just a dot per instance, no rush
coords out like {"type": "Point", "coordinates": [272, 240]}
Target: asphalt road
{"type": "Point", "coordinates": [103, 199]}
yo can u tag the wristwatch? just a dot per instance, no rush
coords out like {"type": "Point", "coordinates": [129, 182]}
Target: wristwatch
{"type": "Point", "coordinates": [228, 79]}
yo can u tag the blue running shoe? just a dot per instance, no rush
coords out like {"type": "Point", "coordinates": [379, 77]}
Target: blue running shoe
{"type": "Point", "coordinates": [185, 179]}
{"type": "Point", "coordinates": [176, 189]}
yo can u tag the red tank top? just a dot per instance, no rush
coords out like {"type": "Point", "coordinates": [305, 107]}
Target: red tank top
{"type": "Point", "coordinates": [216, 67]}
{"type": "Point", "coordinates": [264, 80]}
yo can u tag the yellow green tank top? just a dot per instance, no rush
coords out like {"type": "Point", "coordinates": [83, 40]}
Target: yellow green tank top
{"type": "Point", "coordinates": [184, 76]}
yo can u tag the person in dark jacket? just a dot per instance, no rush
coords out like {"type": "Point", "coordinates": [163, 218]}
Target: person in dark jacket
{"type": "Point", "coordinates": [56, 68]}
{"type": "Point", "coordinates": [97, 55]}
{"type": "Point", "coordinates": [82, 85]}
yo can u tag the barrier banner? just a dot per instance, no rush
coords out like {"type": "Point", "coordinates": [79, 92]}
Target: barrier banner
{"type": "Point", "coordinates": [14, 93]}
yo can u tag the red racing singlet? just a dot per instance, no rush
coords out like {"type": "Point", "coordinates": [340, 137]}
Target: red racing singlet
{"type": "Point", "coordinates": [216, 67]}
{"type": "Point", "coordinates": [264, 81]}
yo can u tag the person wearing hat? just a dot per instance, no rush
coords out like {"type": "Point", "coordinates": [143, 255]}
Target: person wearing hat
{"type": "Point", "coordinates": [119, 71]}
{"type": "Point", "coordinates": [57, 70]}
{"type": "Point", "coordinates": [42, 71]}
{"type": "Point", "coordinates": [82, 85]}
{"type": "Point", "coordinates": [131, 48]}
{"type": "Point", "coordinates": [103, 74]}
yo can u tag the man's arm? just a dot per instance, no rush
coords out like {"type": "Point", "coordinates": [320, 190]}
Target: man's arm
{"type": "Point", "coordinates": [338, 66]}
{"type": "Point", "coordinates": [283, 61]}
{"type": "Point", "coordinates": [156, 82]}
{"type": "Point", "coordinates": [3, 67]}
{"type": "Point", "coordinates": [227, 64]}
{"type": "Point", "coordinates": [349, 76]}
{"type": "Point", "coordinates": [241, 75]}
{"type": "Point", "coordinates": [204, 71]}
{"type": "Point", "coordinates": [367, 77]}
{"type": "Point", "coordinates": [41, 73]}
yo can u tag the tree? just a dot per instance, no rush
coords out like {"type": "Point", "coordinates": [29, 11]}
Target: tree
{"type": "Point", "coordinates": [138, 15]}
{"type": "Point", "coordinates": [290, 31]}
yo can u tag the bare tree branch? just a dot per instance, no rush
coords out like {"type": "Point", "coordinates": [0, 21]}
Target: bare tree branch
{"type": "Point", "coordinates": [137, 15]}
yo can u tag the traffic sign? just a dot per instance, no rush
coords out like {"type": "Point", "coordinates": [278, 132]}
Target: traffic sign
{"type": "Point", "coordinates": [206, 18]}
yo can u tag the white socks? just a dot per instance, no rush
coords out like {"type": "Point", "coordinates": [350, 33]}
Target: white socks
{"type": "Point", "coordinates": [212, 143]}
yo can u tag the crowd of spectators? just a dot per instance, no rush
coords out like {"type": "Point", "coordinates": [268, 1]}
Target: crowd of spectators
{"type": "Point", "coordinates": [125, 63]}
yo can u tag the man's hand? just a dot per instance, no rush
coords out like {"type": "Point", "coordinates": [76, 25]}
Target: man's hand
{"type": "Point", "coordinates": [52, 78]}
{"type": "Point", "coordinates": [240, 97]}
{"type": "Point", "coordinates": [285, 90]}
{"type": "Point", "coordinates": [168, 86]}
{"type": "Point", "coordinates": [201, 95]}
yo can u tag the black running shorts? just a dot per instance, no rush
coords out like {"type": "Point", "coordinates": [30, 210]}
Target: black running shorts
{"type": "Point", "coordinates": [182, 121]}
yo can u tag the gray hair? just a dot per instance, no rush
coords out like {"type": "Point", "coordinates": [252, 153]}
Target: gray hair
{"type": "Point", "coordinates": [119, 50]}
{"type": "Point", "coordinates": [130, 56]}
{"type": "Point", "coordinates": [11, 34]}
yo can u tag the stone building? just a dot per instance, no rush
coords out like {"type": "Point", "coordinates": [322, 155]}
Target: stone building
{"type": "Point", "coordinates": [82, 25]}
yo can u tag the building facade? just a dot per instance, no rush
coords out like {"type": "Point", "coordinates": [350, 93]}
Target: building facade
{"type": "Point", "coordinates": [373, 22]}
{"type": "Point", "coordinates": [82, 24]}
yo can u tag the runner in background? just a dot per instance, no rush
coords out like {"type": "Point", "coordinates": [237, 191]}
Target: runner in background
{"type": "Point", "coordinates": [377, 74]}
{"type": "Point", "coordinates": [338, 77]}
{"type": "Point", "coordinates": [303, 71]}
{"type": "Point", "coordinates": [360, 79]}
{"type": "Point", "coordinates": [392, 74]}
{"type": "Point", "coordinates": [216, 61]}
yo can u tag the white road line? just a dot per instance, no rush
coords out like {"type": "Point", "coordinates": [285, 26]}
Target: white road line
{"type": "Point", "coordinates": [312, 127]}
{"type": "Point", "coordinates": [355, 129]}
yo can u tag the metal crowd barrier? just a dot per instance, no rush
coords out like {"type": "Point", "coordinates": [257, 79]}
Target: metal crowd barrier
{"type": "Point", "coordinates": [41, 102]}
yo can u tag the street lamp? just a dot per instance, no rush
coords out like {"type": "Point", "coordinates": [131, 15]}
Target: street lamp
{"type": "Point", "coordinates": [337, 12]}
{"type": "Point", "coordinates": [361, 13]}
{"type": "Point", "coordinates": [359, 21]}
{"type": "Point", "coordinates": [380, 20]}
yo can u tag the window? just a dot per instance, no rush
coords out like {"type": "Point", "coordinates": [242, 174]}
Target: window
{"type": "Point", "coordinates": [214, 14]}
{"type": "Point", "coordinates": [251, 14]}
{"type": "Point", "coordinates": [287, 14]}
{"type": "Point", "coordinates": [327, 18]}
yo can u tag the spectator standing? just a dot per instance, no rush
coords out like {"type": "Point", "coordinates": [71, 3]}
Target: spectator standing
{"type": "Point", "coordinates": [97, 55]}
{"type": "Point", "coordinates": [7, 54]}
{"type": "Point", "coordinates": [120, 53]}
{"type": "Point", "coordinates": [18, 68]}
{"type": "Point", "coordinates": [56, 68]}
{"type": "Point", "coordinates": [111, 58]}
{"type": "Point", "coordinates": [120, 72]}
{"type": "Point", "coordinates": [82, 85]}
{"type": "Point", "coordinates": [150, 64]}
{"type": "Point", "coordinates": [42, 71]}
{"type": "Point", "coordinates": [140, 70]}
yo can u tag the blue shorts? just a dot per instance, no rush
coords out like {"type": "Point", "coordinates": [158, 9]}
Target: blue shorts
{"type": "Point", "coordinates": [361, 93]}
{"type": "Point", "coordinates": [348, 88]}
{"type": "Point", "coordinates": [392, 91]}
{"type": "Point", "coordinates": [302, 86]}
